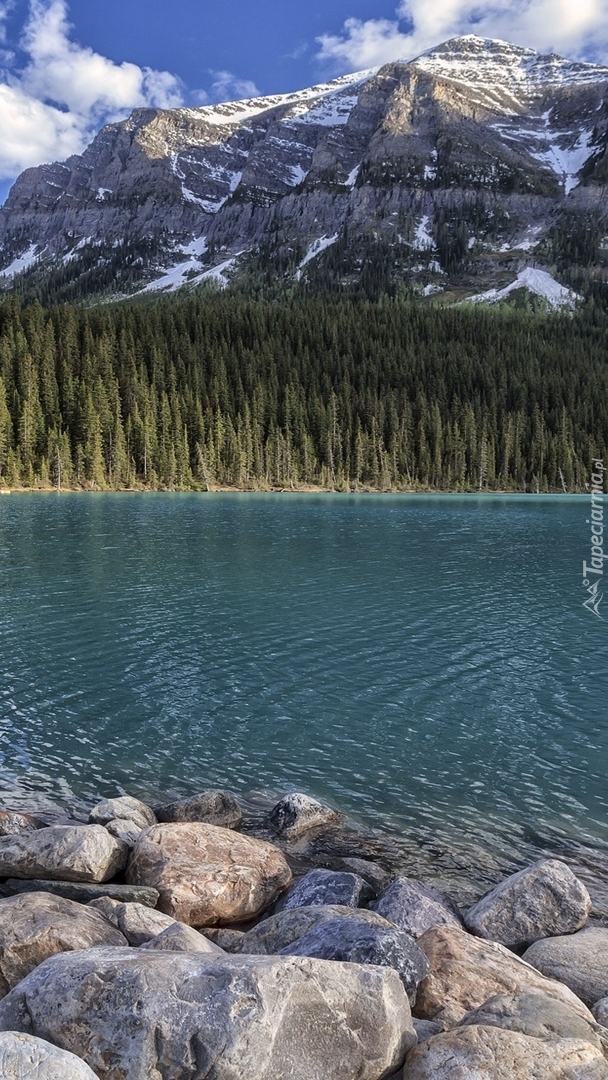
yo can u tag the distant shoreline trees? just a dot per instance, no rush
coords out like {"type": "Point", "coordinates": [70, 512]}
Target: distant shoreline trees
{"type": "Point", "coordinates": [219, 391]}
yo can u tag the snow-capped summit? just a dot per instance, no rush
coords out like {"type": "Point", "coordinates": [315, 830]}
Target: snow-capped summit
{"type": "Point", "coordinates": [502, 67]}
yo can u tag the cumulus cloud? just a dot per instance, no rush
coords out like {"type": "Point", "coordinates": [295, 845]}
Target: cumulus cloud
{"type": "Point", "coordinates": [578, 30]}
{"type": "Point", "coordinates": [54, 102]}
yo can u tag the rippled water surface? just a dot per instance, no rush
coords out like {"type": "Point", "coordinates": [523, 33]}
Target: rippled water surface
{"type": "Point", "coordinates": [425, 663]}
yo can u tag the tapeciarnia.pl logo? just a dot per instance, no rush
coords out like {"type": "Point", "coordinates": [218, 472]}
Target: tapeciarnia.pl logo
{"type": "Point", "coordinates": [593, 572]}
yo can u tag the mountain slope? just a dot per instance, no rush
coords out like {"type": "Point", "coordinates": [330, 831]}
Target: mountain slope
{"type": "Point", "coordinates": [451, 172]}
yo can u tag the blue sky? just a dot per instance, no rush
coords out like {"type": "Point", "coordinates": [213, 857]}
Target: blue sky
{"type": "Point", "coordinates": [68, 66]}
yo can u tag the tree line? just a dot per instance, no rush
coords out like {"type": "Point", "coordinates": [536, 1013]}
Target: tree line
{"type": "Point", "coordinates": [211, 390]}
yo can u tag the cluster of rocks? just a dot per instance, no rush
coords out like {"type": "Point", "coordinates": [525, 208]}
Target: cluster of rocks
{"type": "Point", "coordinates": [167, 943]}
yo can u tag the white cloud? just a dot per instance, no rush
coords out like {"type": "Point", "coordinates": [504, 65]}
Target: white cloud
{"type": "Point", "coordinates": [54, 104]}
{"type": "Point", "coordinates": [227, 87]}
{"type": "Point", "coordinates": [575, 29]}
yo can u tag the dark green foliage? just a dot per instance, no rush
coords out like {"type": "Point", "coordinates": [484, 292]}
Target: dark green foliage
{"type": "Point", "coordinates": [213, 390]}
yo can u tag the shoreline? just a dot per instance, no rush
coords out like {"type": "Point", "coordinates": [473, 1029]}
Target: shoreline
{"type": "Point", "coordinates": [228, 933]}
{"type": "Point", "coordinates": [304, 490]}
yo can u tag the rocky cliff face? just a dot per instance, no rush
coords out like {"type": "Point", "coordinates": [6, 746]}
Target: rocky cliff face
{"type": "Point", "coordinates": [461, 167]}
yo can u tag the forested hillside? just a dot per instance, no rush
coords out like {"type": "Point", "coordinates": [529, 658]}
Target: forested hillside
{"type": "Point", "coordinates": [215, 390]}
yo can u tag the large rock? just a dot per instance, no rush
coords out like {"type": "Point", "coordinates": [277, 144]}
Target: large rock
{"type": "Point", "coordinates": [415, 907]}
{"type": "Point", "coordinates": [600, 1011]}
{"type": "Point", "coordinates": [23, 1057]}
{"type": "Point", "coordinates": [280, 930]}
{"type": "Point", "coordinates": [124, 807]}
{"type": "Point", "coordinates": [376, 876]}
{"type": "Point", "coordinates": [83, 894]}
{"type": "Point", "coordinates": [363, 943]}
{"type": "Point", "coordinates": [63, 852]}
{"type": "Point", "coordinates": [135, 1014]}
{"type": "Point", "coordinates": [181, 938]}
{"type": "Point", "coordinates": [207, 876]}
{"type": "Point", "coordinates": [35, 926]}
{"type": "Point", "coordinates": [543, 900]}
{"type": "Point", "coordinates": [11, 823]}
{"type": "Point", "coordinates": [488, 1053]}
{"type": "Point", "coordinates": [325, 887]}
{"type": "Point", "coordinates": [578, 960]}
{"type": "Point", "coordinates": [466, 971]}
{"type": "Point", "coordinates": [137, 923]}
{"type": "Point", "coordinates": [296, 814]}
{"type": "Point", "coordinates": [211, 807]}
{"type": "Point", "coordinates": [228, 940]}
{"type": "Point", "coordinates": [537, 1015]}
{"type": "Point", "coordinates": [124, 830]}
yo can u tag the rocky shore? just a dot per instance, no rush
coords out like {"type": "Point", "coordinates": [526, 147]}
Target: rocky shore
{"type": "Point", "coordinates": [184, 942]}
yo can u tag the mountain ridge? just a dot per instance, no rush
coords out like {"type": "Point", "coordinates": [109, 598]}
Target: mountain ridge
{"type": "Point", "coordinates": [445, 173]}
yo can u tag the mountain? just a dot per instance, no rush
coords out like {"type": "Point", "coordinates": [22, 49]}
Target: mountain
{"type": "Point", "coordinates": [452, 173]}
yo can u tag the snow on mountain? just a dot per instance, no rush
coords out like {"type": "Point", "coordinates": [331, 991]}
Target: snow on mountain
{"type": "Point", "coordinates": [536, 281]}
{"type": "Point", "coordinates": [499, 65]}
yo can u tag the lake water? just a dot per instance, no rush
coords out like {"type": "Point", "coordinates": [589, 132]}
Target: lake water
{"type": "Point", "coordinates": [424, 663]}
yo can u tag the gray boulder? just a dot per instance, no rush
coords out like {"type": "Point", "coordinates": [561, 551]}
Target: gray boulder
{"type": "Point", "coordinates": [125, 831]}
{"type": "Point", "coordinates": [372, 872]}
{"type": "Point", "coordinates": [213, 807]}
{"type": "Point", "coordinates": [11, 823]}
{"type": "Point", "coordinates": [541, 901]}
{"type": "Point", "coordinates": [427, 1029]}
{"type": "Point", "coordinates": [489, 1053]}
{"type": "Point", "coordinates": [363, 943]}
{"type": "Point", "coordinates": [35, 926]}
{"type": "Point", "coordinates": [534, 1014]}
{"type": "Point", "coordinates": [135, 1014]}
{"type": "Point", "coordinates": [125, 808]}
{"type": "Point", "coordinates": [83, 894]}
{"type": "Point", "coordinates": [64, 853]}
{"type": "Point", "coordinates": [137, 923]}
{"type": "Point", "coordinates": [22, 1057]}
{"type": "Point", "coordinates": [600, 1011]}
{"type": "Point", "coordinates": [580, 961]}
{"type": "Point", "coordinates": [416, 908]}
{"type": "Point", "coordinates": [325, 887]}
{"type": "Point", "coordinates": [182, 938]}
{"type": "Point", "coordinates": [228, 940]}
{"type": "Point", "coordinates": [296, 814]}
{"type": "Point", "coordinates": [280, 930]}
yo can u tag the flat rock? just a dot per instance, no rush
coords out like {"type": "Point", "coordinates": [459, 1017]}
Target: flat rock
{"type": "Point", "coordinates": [23, 1057]}
{"type": "Point", "coordinates": [83, 894]}
{"type": "Point", "coordinates": [580, 961]}
{"type": "Point", "coordinates": [534, 1014]}
{"type": "Point", "coordinates": [415, 907]}
{"type": "Point", "coordinates": [363, 943]}
{"type": "Point", "coordinates": [124, 807]}
{"type": "Point", "coordinates": [207, 876]}
{"type": "Point", "coordinates": [541, 901]}
{"type": "Point", "coordinates": [280, 930]}
{"type": "Point", "coordinates": [466, 971]}
{"type": "Point", "coordinates": [135, 1014]}
{"type": "Point", "coordinates": [296, 814]}
{"type": "Point", "coordinates": [489, 1053]}
{"type": "Point", "coordinates": [34, 926]}
{"type": "Point", "coordinates": [325, 887]}
{"type": "Point", "coordinates": [211, 807]}
{"type": "Point", "coordinates": [181, 938]}
{"type": "Point", "coordinates": [11, 823]}
{"type": "Point", "coordinates": [63, 852]}
{"type": "Point", "coordinates": [124, 830]}
{"type": "Point", "coordinates": [372, 872]}
{"type": "Point", "coordinates": [137, 923]}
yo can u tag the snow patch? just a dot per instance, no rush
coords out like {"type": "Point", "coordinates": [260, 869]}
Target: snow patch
{"type": "Point", "coordinates": [102, 192]}
{"type": "Point", "coordinates": [423, 241]}
{"type": "Point", "coordinates": [351, 179]}
{"type": "Point", "coordinates": [21, 263]}
{"type": "Point", "coordinates": [184, 272]}
{"type": "Point", "coordinates": [314, 250]}
{"type": "Point", "coordinates": [298, 175]}
{"type": "Point", "coordinates": [547, 147]}
{"type": "Point", "coordinates": [536, 281]}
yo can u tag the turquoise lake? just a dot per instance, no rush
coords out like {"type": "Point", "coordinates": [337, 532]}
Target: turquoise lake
{"type": "Point", "coordinates": [424, 663]}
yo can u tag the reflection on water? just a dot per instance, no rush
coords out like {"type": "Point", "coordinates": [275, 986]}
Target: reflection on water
{"type": "Point", "coordinates": [424, 663]}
